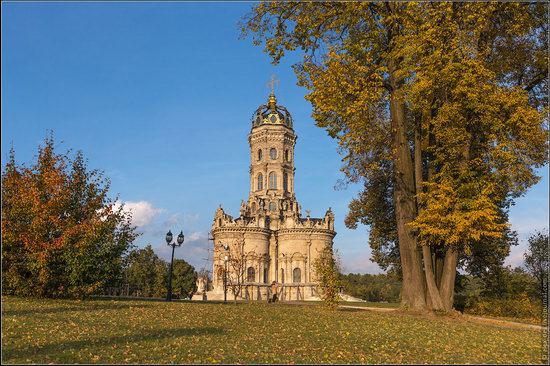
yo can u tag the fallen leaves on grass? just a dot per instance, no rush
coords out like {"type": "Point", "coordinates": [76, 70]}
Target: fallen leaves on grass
{"type": "Point", "coordinates": [101, 331]}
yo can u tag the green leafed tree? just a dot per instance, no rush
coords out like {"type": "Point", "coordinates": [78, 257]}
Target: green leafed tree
{"type": "Point", "coordinates": [536, 260]}
{"type": "Point", "coordinates": [61, 233]}
{"type": "Point", "coordinates": [184, 280]}
{"type": "Point", "coordinates": [439, 109]}
{"type": "Point", "coordinates": [147, 272]}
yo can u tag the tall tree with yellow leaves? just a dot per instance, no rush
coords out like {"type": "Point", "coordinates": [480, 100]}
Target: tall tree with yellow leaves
{"type": "Point", "coordinates": [445, 100]}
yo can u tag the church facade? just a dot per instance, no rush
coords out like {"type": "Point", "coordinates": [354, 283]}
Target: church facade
{"type": "Point", "coordinates": [270, 240]}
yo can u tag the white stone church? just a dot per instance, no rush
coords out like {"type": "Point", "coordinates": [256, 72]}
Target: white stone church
{"type": "Point", "coordinates": [270, 234]}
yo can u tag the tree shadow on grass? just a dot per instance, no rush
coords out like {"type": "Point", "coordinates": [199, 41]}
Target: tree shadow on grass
{"type": "Point", "coordinates": [63, 309]}
{"type": "Point", "coordinates": [55, 349]}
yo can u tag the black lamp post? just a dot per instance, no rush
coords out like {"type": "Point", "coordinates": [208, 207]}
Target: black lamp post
{"type": "Point", "coordinates": [225, 260]}
{"type": "Point", "coordinates": [178, 243]}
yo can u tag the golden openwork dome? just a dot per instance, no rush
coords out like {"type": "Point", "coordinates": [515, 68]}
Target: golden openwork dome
{"type": "Point", "coordinates": [271, 114]}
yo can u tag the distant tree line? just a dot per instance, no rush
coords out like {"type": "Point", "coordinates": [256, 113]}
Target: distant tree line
{"type": "Point", "coordinates": [507, 291]}
{"type": "Point", "coordinates": [62, 236]}
{"type": "Point", "coordinates": [372, 287]}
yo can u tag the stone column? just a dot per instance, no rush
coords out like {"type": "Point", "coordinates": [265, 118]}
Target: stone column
{"type": "Point", "coordinates": [274, 259]}
{"type": "Point", "coordinates": [308, 278]}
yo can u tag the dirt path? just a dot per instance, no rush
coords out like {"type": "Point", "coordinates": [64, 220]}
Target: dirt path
{"type": "Point", "coordinates": [367, 308]}
{"type": "Point", "coordinates": [507, 323]}
{"type": "Point", "coordinates": [466, 317]}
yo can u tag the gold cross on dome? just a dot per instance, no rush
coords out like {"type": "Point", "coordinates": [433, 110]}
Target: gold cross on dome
{"type": "Point", "coordinates": [272, 83]}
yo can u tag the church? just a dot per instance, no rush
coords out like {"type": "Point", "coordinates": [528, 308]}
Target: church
{"type": "Point", "coordinates": [270, 240]}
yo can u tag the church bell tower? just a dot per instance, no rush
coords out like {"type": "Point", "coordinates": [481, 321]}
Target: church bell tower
{"type": "Point", "coordinates": [272, 140]}
{"type": "Point", "coordinates": [270, 240]}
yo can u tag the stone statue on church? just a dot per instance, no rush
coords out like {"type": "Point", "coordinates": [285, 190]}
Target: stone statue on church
{"type": "Point", "coordinates": [243, 209]}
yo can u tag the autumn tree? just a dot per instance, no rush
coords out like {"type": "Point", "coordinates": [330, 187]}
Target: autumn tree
{"type": "Point", "coordinates": [61, 233]}
{"type": "Point", "coordinates": [327, 272]}
{"type": "Point", "coordinates": [536, 260]}
{"type": "Point", "coordinates": [439, 110]}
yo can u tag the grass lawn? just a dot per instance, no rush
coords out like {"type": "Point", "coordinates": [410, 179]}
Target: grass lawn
{"type": "Point", "coordinates": [391, 305]}
{"type": "Point", "coordinates": [111, 331]}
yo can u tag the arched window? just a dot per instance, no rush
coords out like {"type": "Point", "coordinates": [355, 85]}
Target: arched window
{"type": "Point", "coordinates": [260, 154]}
{"type": "Point", "coordinates": [287, 157]}
{"type": "Point", "coordinates": [272, 206]}
{"type": "Point", "coordinates": [260, 181]}
{"type": "Point", "coordinates": [296, 275]}
{"type": "Point", "coordinates": [272, 180]}
{"type": "Point", "coordinates": [253, 207]}
{"type": "Point", "coordinates": [266, 275]}
{"type": "Point", "coordinates": [273, 153]}
{"type": "Point", "coordinates": [250, 274]}
{"type": "Point", "coordinates": [282, 275]}
{"type": "Point", "coordinates": [285, 181]}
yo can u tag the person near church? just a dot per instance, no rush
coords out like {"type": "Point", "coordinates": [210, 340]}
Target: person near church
{"type": "Point", "coordinates": [273, 291]}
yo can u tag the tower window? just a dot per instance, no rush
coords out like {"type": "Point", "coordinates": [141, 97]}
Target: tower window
{"type": "Point", "coordinates": [253, 207]}
{"type": "Point", "coordinates": [282, 275]}
{"type": "Point", "coordinates": [272, 206]}
{"type": "Point", "coordinates": [273, 153]}
{"type": "Point", "coordinates": [266, 275]}
{"type": "Point", "coordinates": [260, 182]}
{"type": "Point", "coordinates": [250, 274]}
{"type": "Point", "coordinates": [260, 154]}
{"type": "Point", "coordinates": [272, 180]}
{"type": "Point", "coordinates": [287, 156]}
{"type": "Point", "coordinates": [285, 181]}
{"type": "Point", "coordinates": [296, 275]}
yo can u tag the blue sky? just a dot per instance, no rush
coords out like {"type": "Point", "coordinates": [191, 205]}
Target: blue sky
{"type": "Point", "coordinates": [160, 96]}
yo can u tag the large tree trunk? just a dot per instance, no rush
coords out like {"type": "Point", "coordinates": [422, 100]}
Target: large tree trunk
{"type": "Point", "coordinates": [447, 289]}
{"type": "Point", "coordinates": [438, 269]}
{"type": "Point", "coordinates": [433, 299]}
{"type": "Point", "coordinates": [412, 293]}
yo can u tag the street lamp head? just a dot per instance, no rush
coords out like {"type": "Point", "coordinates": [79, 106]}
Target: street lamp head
{"type": "Point", "coordinates": [169, 237]}
{"type": "Point", "coordinates": [180, 238]}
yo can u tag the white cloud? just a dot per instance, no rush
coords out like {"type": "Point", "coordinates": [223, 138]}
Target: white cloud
{"type": "Point", "coordinates": [526, 225]}
{"type": "Point", "coordinates": [194, 236]}
{"type": "Point", "coordinates": [192, 251]}
{"type": "Point", "coordinates": [142, 212]}
{"type": "Point", "coordinates": [173, 220]}
{"type": "Point", "coordinates": [516, 259]}
{"type": "Point", "coordinates": [359, 263]}
{"type": "Point", "coordinates": [177, 219]}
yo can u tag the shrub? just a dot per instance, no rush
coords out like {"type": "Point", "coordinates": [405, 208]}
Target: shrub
{"type": "Point", "coordinates": [520, 306]}
{"type": "Point", "coordinates": [328, 275]}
